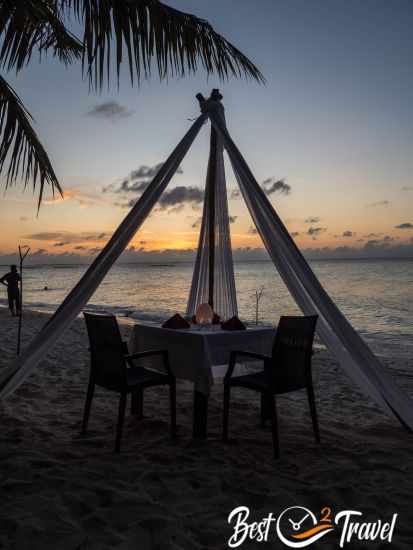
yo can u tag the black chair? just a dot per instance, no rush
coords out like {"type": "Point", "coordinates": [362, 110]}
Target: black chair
{"type": "Point", "coordinates": [287, 369]}
{"type": "Point", "coordinates": [112, 368]}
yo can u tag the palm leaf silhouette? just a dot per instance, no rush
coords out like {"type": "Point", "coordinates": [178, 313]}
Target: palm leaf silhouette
{"type": "Point", "coordinates": [20, 146]}
{"type": "Point", "coordinates": [34, 25]}
{"type": "Point", "coordinates": [140, 33]}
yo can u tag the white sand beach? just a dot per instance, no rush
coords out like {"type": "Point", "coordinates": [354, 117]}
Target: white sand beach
{"type": "Point", "coordinates": [63, 491]}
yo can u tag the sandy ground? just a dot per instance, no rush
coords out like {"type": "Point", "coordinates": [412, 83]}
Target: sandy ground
{"type": "Point", "coordinates": [63, 491]}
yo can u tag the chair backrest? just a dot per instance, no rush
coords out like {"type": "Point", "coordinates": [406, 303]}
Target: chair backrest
{"type": "Point", "coordinates": [107, 350]}
{"type": "Point", "coordinates": [292, 352]}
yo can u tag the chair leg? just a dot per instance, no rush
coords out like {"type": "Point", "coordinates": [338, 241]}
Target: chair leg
{"type": "Point", "coordinates": [265, 409]}
{"type": "Point", "coordinates": [172, 398]}
{"type": "Point", "coordinates": [274, 425]}
{"type": "Point", "coordinates": [121, 416]}
{"type": "Point", "coordinates": [227, 396]}
{"type": "Point", "coordinates": [313, 411]}
{"type": "Point", "coordinates": [137, 403]}
{"type": "Point", "coordinates": [134, 403]}
{"type": "Point", "coordinates": [88, 404]}
{"type": "Point", "coordinates": [262, 414]}
{"type": "Point", "coordinates": [140, 404]}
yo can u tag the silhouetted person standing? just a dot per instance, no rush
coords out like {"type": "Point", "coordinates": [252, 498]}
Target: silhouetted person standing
{"type": "Point", "coordinates": [11, 281]}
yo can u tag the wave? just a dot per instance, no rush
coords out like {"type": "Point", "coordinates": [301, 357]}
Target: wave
{"type": "Point", "coordinates": [154, 317]}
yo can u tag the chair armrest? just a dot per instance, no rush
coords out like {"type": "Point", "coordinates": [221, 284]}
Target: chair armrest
{"type": "Point", "coordinates": [150, 353]}
{"type": "Point", "coordinates": [147, 353]}
{"type": "Point", "coordinates": [259, 356]}
{"type": "Point", "coordinates": [233, 360]}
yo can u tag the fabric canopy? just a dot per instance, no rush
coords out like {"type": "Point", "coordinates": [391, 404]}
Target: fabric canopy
{"type": "Point", "coordinates": [224, 295]}
{"type": "Point", "coordinates": [353, 354]}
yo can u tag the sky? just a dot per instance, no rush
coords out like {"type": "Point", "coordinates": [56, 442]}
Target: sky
{"type": "Point", "coordinates": [329, 137]}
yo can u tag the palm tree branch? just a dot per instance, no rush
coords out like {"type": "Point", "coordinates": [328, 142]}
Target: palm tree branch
{"type": "Point", "coordinates": [34, 25]}
{"type": "Point", "coordinates": [20, 147]}
{"type": "Point", "coordinates": [150, 31]}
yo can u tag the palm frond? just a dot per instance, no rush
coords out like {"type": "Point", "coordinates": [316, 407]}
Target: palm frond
{"type": "Point", "coordinates": [147, 31]}
{"type": "Point", "coordinates": [27, 26]}
{"type": "Point", "coordinates": [20, 146]}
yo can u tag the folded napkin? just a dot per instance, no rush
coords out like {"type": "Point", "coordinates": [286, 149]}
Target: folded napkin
{"type": "Point", "coordinates": [216, 319]}
{"type": "Point", "coordinates": [176, 321]}
{"type": "Point", "coordinates": [233, 324]}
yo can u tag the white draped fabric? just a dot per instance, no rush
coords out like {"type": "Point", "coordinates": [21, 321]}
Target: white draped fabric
{"type": "Point", "coordinates": [353, 354]}
{"type": "Point", "coordinates": [82, 292]}
{"type": "Point", "coordinates": [224, 294]}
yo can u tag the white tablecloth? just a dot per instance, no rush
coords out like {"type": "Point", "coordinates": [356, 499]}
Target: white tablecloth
{"type": "Point", "coordinates": [193, 352]}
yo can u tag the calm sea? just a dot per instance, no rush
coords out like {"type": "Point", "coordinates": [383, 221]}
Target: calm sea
{"type": "Point", "coordinates": [375, 295]}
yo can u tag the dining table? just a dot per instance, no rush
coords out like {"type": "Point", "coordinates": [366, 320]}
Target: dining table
{"type": "Point", "coordinates": [197, 354]}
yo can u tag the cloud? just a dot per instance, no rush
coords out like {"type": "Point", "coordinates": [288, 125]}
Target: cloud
{"type": "Point", "coordinates": [84, 199]}
{"type": "Point", "coordinates": [66, 237]}
{"type": "Point", "coordinates": [372, 235]}
{"type": "Point", "coordinates": [379, 243]}
{"type": "Point", "coordinates": [110, 110]}
{"type": "Point", "coordinates": [128, 186]}
{"type": "Point", "coordinates": [136, 181]}
{"type": "Point", "coordinates": [372, 249]}
{"type": "Point", "coordinates": [177, 197]}
{"type": "Point", "coordinates": [196, 223]}
{"type": "Point", "coordinates": [23, 218]}
{"type": "Point", "coordinates": [252, 230]}
{"type": "Point", "coordinates": [315, 231]}
{"type": "Point", "coordinates": [407, 188]}
{"type": "Point", "coordinates": [376, 248]}
{"type": "Point", "coordinates": [271, 185]}
{"type": "Point", "coordinates": [235, 193]}
{"type": "Point", "coordinates": [348, 233]}
{"type": "Point", "coordinates": [312, 219]}
{"type": "Point", "coordinates": [126, 204]}
{"type": "Point", "coordinates": [148, 172]}
{"type": "Point", "coordinates": [406, 225]}
{"type": "Point", "coordinates": [294, 234]}
{"type": "Point", "coordinates": [379, 203]}
{"type": "Point", "coordinates": [44, 236]}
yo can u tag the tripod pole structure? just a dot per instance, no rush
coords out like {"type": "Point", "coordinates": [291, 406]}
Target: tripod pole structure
{"type": "Point", "coordinates": [211, 186]}
{"type": "Point", "coordinates": [23, 252]}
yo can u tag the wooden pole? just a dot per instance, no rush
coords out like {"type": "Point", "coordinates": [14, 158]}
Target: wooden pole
{"type": "Point", "coordinates": [22, 258]}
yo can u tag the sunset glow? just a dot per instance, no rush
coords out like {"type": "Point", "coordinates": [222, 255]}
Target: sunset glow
{"type": "Point", "coordinates": [343, 151]}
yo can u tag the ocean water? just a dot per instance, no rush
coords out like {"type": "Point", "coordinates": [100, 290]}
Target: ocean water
{"type": "Point", "coordinates": [375, 295]}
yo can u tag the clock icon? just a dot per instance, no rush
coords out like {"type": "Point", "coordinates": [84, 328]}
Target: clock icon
{"type": "Point", "coordinates": [297, 527]}
{"type": "Point", "coordinates": [297, 517]}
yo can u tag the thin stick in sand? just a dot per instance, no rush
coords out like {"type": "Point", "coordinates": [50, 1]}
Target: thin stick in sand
{"type": "Point", "coordinates": [22, 258]}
